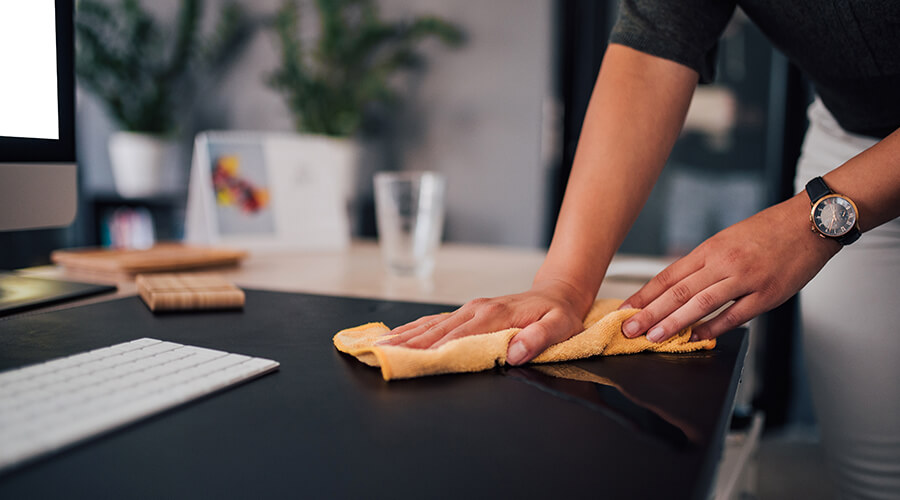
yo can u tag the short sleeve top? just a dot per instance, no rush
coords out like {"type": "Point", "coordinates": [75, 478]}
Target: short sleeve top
{"type": "Point", "coordinates": [850, 50]}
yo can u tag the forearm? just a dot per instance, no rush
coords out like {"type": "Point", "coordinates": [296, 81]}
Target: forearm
{"type": "Point", "coordinates": [633, 119]}
{"type": "Point", "coordinates": [872, 180]}
{"type": "Point", "coordinates": [762, 261]}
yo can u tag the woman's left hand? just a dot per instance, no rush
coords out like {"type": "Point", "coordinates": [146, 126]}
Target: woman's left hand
{"type": "Point", "coordinates": [758, 263]}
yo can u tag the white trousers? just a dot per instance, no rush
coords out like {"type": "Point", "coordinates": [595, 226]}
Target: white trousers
{"type": "Point", "coordinates": [851, 335]}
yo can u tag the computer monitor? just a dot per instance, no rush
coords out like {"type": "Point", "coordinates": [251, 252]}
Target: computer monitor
{"type": "Point", "coordinates": [38, 182]}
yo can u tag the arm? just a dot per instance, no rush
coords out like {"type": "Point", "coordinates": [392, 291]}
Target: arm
{"type": "Point", "coordinates": [634, 117]}
{"type": "Point", "coordinates": [727, 266]}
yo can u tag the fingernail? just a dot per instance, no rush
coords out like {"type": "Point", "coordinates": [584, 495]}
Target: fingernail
{"type": "Point", "coordinates": [694, 337]}
{"type": "Point", "coordinates": [625, 305]}
{"type": "Point", "coordinates": [517, 354]}
{"type": "Point", "coordinates": [631, 329]}
{"type": "Point", "coordinates": [656, 334]}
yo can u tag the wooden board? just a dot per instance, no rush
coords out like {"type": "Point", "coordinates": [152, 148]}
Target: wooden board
{"type": "Point", "coordinates": [188, 291]}
{"type": "Point", "coordinates": [162, 257]}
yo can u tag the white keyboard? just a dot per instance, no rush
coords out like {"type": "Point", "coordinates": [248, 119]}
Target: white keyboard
{"type": "Point", "coordinates": [48, 406]}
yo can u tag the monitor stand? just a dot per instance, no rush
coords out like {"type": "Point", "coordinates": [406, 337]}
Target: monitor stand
{"type": "Point", "coordinates": [19, 293]}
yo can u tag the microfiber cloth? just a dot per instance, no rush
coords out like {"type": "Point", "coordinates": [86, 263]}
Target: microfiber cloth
{"type": "Point", "coordinates": [602, 335]}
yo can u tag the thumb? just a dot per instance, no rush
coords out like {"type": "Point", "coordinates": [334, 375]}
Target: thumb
{"type": "Point", "coordinates": [534, 338]}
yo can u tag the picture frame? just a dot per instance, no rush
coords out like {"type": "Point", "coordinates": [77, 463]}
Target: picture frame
{"type": "Point", "coordinates": [269, 190]}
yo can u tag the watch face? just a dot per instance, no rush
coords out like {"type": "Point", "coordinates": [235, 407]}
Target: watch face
{"type": "Point", "coordinates": [834, 215]}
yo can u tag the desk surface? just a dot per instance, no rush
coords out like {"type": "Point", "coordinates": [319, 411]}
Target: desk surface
{"type": "Point", "coordinates": [462, 272]}
{"type": "Point", "coordinates": [326, 426]}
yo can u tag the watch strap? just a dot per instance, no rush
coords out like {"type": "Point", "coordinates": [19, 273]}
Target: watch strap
{"type": "Point", "coordinates": [816, 189]}
{"type": "Point", "coordinates": [850, 237]}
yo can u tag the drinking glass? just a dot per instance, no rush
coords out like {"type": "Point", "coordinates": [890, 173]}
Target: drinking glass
{"type": "Point", "coordinates": [409, 208]}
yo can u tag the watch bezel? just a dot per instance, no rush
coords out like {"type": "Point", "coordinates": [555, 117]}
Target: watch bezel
{"type": "Point", "coordinates": [812, 216]}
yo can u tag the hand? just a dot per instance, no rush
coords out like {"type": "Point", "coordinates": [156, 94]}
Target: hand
{"type": "Point", "coordinates": [548, 313]}
{"type": "Point", "coordinates": [758, 263]}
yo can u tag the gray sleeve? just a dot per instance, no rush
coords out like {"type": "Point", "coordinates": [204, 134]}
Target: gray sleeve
{"type": "Point", "coordinates": [684, 31]}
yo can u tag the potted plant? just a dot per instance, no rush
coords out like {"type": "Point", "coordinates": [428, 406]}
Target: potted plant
{"type": "Point", "coordinates": [146, 73]}
{"type": "Point", "coordinates": [330, 84]}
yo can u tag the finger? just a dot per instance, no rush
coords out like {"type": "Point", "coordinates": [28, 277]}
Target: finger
{"type": "Point", "coordinates": [676, 272]}
{"type": "Point", "coordinates": [425, 338]}
{"type": "Point", "coordinates": [477, 325]}
{"type": "Point", "coordinates": [742, 311]}
{"type": "Point", "coordinates": [672, 299]}
{"type": "Point", "coordinates": [422, 326]}
{"type": "Point", "coordinates": [431, 319]}
{"type": "Point", "coordinates": [703, 303]}
{"type": "Point", "coordinates": [535, 338]}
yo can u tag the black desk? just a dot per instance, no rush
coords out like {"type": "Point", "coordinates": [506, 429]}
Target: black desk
{"type": "Point", "coordinates": [326, 426]}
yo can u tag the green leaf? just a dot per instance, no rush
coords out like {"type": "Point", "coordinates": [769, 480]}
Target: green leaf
{"type": "Point", "coordinates": [329, 87]}
{"type": "Point", "coordinates": [143, 70]}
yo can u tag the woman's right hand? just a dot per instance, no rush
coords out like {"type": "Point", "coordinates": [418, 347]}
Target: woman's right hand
{"type": "Point", "coordinates": [548, 313]}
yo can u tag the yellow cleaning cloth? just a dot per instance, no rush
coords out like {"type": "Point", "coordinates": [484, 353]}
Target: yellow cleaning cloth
{"type": "Point", "coordinates": [602, 336]}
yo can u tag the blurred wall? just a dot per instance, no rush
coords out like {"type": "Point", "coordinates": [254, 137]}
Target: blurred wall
{"type": "Point", "coordinates": [476, 115]}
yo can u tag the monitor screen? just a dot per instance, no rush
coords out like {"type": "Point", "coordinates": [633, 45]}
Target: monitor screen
{"type": "Point", "coordinates": [37, 114]}
{"type": "Point", "coordinates": [28, 58]}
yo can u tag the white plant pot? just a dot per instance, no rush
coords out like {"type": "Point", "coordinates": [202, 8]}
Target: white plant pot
{"type": "Point", "coordinates": [341, 157]}
{"type": "Point", "coordinates": [343, 154]}
{"type": "Point", "coordinates": [137, 163]}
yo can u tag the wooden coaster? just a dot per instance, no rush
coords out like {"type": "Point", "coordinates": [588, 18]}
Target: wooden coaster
{"type": "Point", "coordinates": [188, 291]}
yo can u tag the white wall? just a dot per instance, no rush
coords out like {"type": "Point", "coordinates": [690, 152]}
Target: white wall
{"type": "Point", "coordinates": [476, 114]}
{"type": "Point", "coordinates": [482, 115]}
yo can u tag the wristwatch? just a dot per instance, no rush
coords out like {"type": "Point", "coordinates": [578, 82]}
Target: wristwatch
{"type": "Point", "coordinates": [833, 215]}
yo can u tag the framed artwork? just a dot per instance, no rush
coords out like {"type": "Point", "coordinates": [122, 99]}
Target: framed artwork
{"type": "Point", "coordinates": [269, 190]}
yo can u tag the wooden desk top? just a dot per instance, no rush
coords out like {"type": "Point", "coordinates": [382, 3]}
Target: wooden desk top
{"type": "Point", "coordinates": [462, 272]}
